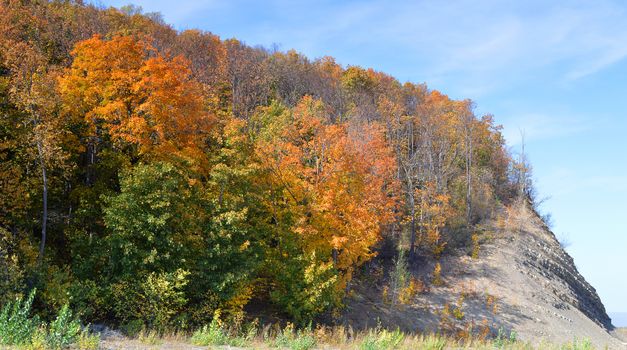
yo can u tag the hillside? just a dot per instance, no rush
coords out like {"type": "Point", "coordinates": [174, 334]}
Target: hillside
{"type": "Point", "coordinates": [523, 281]}
{"type": "Point", "coordinates": [157, 181]}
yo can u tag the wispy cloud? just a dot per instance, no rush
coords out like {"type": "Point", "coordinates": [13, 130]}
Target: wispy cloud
{"type": "Point", "coordinates": [536, 126]}
{"type": "Point", "coordinates": [474, 43]}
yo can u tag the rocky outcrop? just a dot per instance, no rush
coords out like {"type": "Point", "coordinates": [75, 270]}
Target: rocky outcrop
{"type": "Point", "coordinates": [543, 255]}
{"type": "Point", "coordinates": [523, 282]}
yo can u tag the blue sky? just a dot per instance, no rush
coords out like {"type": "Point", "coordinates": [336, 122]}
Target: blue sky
{"type": "Point", "coordinates": [554, 69]}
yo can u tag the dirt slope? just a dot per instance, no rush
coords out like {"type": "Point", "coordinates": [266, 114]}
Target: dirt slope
{"type": "Point", "coordinates": [523, 282]}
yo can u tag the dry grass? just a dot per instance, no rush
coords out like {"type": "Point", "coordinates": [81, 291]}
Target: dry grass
{"type": "Point", "coordinates": [340, 338]}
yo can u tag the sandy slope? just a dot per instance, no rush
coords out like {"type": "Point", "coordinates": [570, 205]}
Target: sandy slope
{"type": "Point", "coordinates": [522, 270]}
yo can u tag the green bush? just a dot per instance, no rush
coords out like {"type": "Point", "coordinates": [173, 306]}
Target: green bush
{"type": "Point", "coordinates": [306, 286]}
{"type": "Point", "coordinates": [88, 300]}
{"type": "Point", "coordinates": [64, 330]}
{"type": "Point", "coordinates": [18, 327]}
{"type": "Point", "coordinates": [164, 220]}
{"type": "Point", "coordinates": [154, 302]}
{"type": "Point", "coordinates": [16, 324]}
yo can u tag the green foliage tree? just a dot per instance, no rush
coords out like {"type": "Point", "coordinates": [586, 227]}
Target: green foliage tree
{"type": "Point", "coordinates": [164, 220]}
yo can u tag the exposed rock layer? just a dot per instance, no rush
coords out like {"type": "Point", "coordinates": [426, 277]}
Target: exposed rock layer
{"type": "Point", "coordinates": [522, 282]}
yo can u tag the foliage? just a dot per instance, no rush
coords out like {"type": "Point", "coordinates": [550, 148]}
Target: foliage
{"type": "Point", "coordinates": [404, 287]}
{"type": "Point", "coordinates": [17, 325]}
{"type": "Point", "coordinates": [578, 344]}
{"type": "Point", "coordinates": [161, 222]}
{"type": "Point", "coordinates": [168, 174]}
{"type": "Point", "coordinates": [475, 246]}
{"type": "Point", "coordinates": [64, 330]}
{"type": "Point", "coordinates": [306, 287]}
{"type": "Point", "coordinates": [155, 301]}
{"type": "Point", "coordinates": [149, 337]}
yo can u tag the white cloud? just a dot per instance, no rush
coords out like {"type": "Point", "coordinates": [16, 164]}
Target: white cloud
{"type": "Point", "coordinates": [476, 43]}
{"type": "Point", "coordinates": [473, 43]}
{"type": "Point", "coordinates": [536, 126]}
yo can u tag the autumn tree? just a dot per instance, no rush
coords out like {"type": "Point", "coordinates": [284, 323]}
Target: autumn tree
{"type": "Point", "coordinates": [147, 106]}
{"type": "Point", "coordinates": [163, 149]}
{"type": "Point", "coordinates": [339, 194]}
{"type": "Point", "coordinates": [33, 91]}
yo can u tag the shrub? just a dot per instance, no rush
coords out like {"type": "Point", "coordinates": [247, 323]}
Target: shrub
{"type": "Point", "coordinates": [39, 340]}
{"type": "Point", "coordinates": [64, 330]}
{"type": "Point", "coordinates": [475, 246]}
{"type": "Point", "coordinates": [399, 279]}
{"type": "Point", "coordinates": [578, 344]}
{"type": "Point", "coordinates": [54, 294]}
{"type": "Point", "coordinates": [16, 325]}
{"type": "Point", "coordinates": [154, 302]}
{"type": "Point", "coordinates": [164, 219]}
{"type": "Point", "coordinates": [88, 300]}
{"type": "Point", "coordinates": [306, 287]}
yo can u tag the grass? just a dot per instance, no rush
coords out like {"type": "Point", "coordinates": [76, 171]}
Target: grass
{"type": "Point", "coordinates": [20, 330]}
{"type": "Point", "coordinates": [345, 338]}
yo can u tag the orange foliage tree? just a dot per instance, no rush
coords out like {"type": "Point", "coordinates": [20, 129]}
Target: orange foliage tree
{"type": "Point", "coordinates": [339, 181]}
{"type": "Point", "coordinates": [142, 102]}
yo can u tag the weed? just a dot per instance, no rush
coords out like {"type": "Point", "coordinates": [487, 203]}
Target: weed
{"type": "Point", "coordinates": [295, 340]}
{"type": "Point", "coordinates": [578, 344]}
{"type": "Point", "coordinates": [88, 341]}
{"type": "Point", "coordinates": [149, 337]}
{"type": "Point", "coordinates": [381, 339]}
{"type": "Point", "coordinates": [437, 275]}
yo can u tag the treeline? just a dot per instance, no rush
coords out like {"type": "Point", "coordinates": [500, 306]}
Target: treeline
{"type": "Point", "coordinates": [151, 176]}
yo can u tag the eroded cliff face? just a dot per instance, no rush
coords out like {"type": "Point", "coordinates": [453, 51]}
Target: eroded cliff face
{"type": "Point", "coordinates": [542, 255]}
{"type": "Point", "coordinates": [523, 281]}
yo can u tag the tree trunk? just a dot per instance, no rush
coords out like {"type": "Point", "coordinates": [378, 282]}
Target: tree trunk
{"type": "Point", "coordinates": [412, 238]}
{"type": "Point", "coordinates": [469, 181]}
{"type": "Point", "coordinates": [44, 216]}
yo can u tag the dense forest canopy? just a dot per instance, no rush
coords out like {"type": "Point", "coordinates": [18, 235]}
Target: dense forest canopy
{"type": "Point", "coordinates": [152, 175]}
